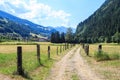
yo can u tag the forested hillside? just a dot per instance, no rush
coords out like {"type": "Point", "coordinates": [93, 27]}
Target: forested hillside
{"type": "Point", "coordinates": [102, 26]}
{"type": "Point", "coordinates": [14, 28]}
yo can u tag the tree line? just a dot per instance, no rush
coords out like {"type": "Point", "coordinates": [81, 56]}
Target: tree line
{"type": "Point", "coordinates": [68, 37]}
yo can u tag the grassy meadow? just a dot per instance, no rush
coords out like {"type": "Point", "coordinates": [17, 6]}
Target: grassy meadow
{"type": "Point", "coordinates": [107, 69]}
{"type": "Point", "coordinates": [32, 69]}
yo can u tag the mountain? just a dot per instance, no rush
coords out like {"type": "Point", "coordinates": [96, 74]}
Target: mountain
{"type": "Point", "coordinates": [8, 27]}
{"type": "Point", "coordinates": [63, 29]}
{"type": "Point", "coordinates": [101, 25]}
{"type": "Point", "coordinates": [12, 24]}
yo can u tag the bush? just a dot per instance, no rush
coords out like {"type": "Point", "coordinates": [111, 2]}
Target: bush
{"type": "Point", "coordinates": [101, 56]}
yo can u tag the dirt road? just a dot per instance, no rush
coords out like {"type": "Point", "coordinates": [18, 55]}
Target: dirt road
{"type": "Point", "coordinates": [71, 67]}
{"type": "Point", "coordinates": [4, 77]}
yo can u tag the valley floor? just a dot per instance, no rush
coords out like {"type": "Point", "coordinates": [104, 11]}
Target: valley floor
{"type": "Point", "coordinates": [72, 66]}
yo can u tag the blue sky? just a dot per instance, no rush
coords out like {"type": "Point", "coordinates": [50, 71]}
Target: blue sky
{"type": "Point", "coordinates": [54, 13]}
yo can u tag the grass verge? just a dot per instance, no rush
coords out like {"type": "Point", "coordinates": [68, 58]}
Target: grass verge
{"type": "Point", "coordinates": [108, 68]}
{"type": "Point", "coordinates": [31, 67]}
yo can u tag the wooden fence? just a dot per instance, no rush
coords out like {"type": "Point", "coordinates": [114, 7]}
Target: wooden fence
{"type": "Point", "coordinates": [19, 54]}
{"type": "Point", "coordinates": [86, 48]}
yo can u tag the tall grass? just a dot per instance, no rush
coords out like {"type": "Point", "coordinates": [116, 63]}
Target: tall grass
{"type": "Point", "coordinates": [7, 63]}
{"type": "Point", "coordinates": [114, 56]}
{"type": "Point", "coordinates": [101, 56]}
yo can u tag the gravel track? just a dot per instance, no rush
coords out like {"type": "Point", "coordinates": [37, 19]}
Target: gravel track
{"type": "Point", "coordinates": [72, 64]}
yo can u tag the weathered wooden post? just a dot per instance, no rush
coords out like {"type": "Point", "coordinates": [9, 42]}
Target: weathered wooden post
{"type": "Point", "coordinates": [74, 44]}
{"type": "Point", "coordinates": [19, 60]}
{"type": "Point", "coordinates": [70, 45]}
{"type": "Point", "coordinates": [100, 48]}
{"type": "Point", "coordinates": [48, 52]}
{"type": "Point", "coordinates": [86, 49]}
{"type": "Point", "coordinates": [38, 53]}
{"type": "Point", "coordinates": [65, 46]}
{"type": "Point", "coordinates": [83, 45]}
{"type": "Point", "coordinates": [57, 50]}
{"type": "Point", "coordinates": [60, 49]}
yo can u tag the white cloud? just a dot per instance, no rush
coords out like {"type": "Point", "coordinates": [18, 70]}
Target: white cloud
{"type": "Point", "coordinates": [35, 11]}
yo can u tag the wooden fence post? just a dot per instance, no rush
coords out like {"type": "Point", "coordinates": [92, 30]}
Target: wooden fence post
{"type": "Point", "coordinates": [38, 53]}
{"type": "Point", "coordinates": [71, 45]}
{"type": "Point", "coordinates": [100, 48]}
{"type": "Point", "coordinates": [48, 52]}
{"type": "Point", "coordinates": [57, 50]}
{"type": "Point", "coordinates": [60, 49]}
{"type": "Point", "coordinates": [19, 60]}
{"type": "Point", "coordinates": [67, 45]}
{"type": "Point", "coordinates": [83, 45]}
{"type": "Point", "coordinates": [74, 44]}
{"type": "Point", "coordinates": [86, 49]}
{"type": "Point", "coordinates": [63, 47]}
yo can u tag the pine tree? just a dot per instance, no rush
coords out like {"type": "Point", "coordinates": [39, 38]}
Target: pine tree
{"type": "Point", "coordinates": [117, 37]}
{"type": "Point", "coordinates": [69, 35]}
{"type": "Point", "coordinates": [57, 37]}
{"type": "Point", "coordinates": [62, 38]}
{"type": "Point", "coordinates": [52, 37]}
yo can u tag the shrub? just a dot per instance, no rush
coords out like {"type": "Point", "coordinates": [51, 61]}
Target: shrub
{"type": "Point", "coordinates": [101, 56]}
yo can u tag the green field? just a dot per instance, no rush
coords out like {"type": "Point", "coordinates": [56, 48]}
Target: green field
{"type": "Point", "coordinates": [32, 68]}
{"type": "Point", "coordinates": [108, 69]}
